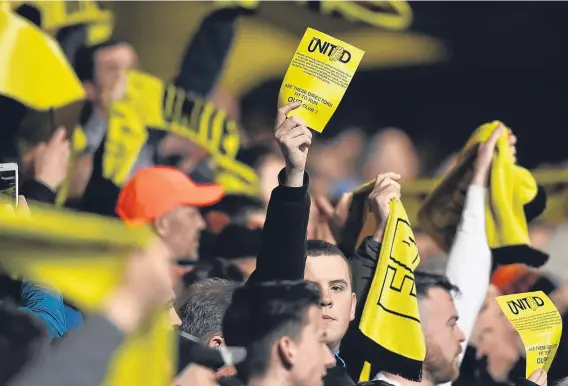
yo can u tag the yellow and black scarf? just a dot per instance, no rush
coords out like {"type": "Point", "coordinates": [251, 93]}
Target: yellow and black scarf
{"type": "Point", "coordinates": [391, 336]}
{"type": "Point", "coordinates": [513, 198]}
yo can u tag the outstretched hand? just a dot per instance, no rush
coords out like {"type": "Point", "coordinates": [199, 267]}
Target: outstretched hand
{"type": "Point", "coordinates": [294, 139]}
{"type": "Point", "coordinates": [385, 190]}
{"type": "Point", "coordinates": [539, 377]}
{"type": "Point", "coordinates": [485, 156]}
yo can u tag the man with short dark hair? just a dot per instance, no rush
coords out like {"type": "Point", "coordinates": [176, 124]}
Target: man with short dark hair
{"type": "Point", "coordinates": [442, 334]}
{"type": "Point", "coordinates": [280, 325]}
{"type": "Point", "coordinates": [329, 269]}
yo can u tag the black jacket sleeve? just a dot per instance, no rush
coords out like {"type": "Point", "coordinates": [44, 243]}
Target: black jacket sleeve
{"type": "Point", "coordinates": [363, 265]}
{"type": "Point", "coordinates": [205, 56]}
{"type": "Point", "coordinates": [282, 254]}
{"type": "Point", "coordinates": [37, 191]}
{"type": "Point", "coordinates": [525, 382]}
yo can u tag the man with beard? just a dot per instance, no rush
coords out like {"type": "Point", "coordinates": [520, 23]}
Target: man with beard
{"type": "Point", "coordinates": [443, 337]}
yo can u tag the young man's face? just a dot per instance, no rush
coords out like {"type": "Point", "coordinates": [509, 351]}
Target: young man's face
{"type": "Point", "coordinates": [110, 64]}
{"type": "Point", "coordinates": [313, 355]}
{"type": "Point", "coordinates": [332, 275]}
{"type": "Point", "coordinates": [442, 335]}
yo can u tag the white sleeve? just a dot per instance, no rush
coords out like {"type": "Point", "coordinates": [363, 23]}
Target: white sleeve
{"type": "Point", "coordinates": [469, 261]}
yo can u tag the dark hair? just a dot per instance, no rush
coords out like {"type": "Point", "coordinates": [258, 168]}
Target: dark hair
{"type": "Point", "coordinates": [203, 306]}
{"type": "Point", "coordinates": [322, 248]}
{"type": "Point", "coordinates": [21, 336]}
{"type": "Point", "coordinates": [374, 383]}
{"type": "Point", "coordinates": [230, 381]}
{"type": "Point", "coordinates": [237, 207]}
{"type": "Point", "coordinates": [425, 281]}
{"type": "Point", "coordinates": [237, 242]}
{"type": "Point", "coordinates": [213, 268]}
{"type": "Point", "coordinates": [262, 313]}
{"type": "Point", "coordinates": [316, 248]}
{"type": "Point", "coordinates": [31, 13]}
{"type": "Point", "coordinates": [85, 59]}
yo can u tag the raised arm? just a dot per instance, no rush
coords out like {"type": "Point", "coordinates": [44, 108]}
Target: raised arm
{"type": "Point", "coordinates": [282, 254]}
{"type": "Point", "coordinates": [469, 261]}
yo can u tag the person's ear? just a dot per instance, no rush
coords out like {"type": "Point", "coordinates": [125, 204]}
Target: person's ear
{"type": "Point", "coordinates": [162, 225]}
{"type": "Point", "coordinates": [90, 90]}
{"type": "Point", "coordinates": [287, 351]}
{"type": "Point", "coordinates": [353, 306]}
{"type": "Point", "coordinates": [216, 341]}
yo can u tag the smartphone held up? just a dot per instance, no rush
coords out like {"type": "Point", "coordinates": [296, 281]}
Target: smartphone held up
{"type": "Point", "coordinates": [9, 183]}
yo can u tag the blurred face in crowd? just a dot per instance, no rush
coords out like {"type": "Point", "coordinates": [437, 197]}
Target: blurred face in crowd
{"type": "Point", "coordinates": [180, 229]}
{"type": "Point", "coordinates": [110, 65]}
{"type": "Point", "coordinates": [392, 151]}
{"type": "Point", "coordinates": [495, 338]}
{"type": "Point", "coordinates": [308, 356]}
{"type": "Point", "coordinates": [332, 275]}
{"type": "Point", "coordinates": [442, 335]}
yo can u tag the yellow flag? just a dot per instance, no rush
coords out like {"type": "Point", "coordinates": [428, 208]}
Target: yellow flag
{"type": "Point", "coordinates": [84, 256]}
{"type": "Point", "coordinates": [318, 76]}
{"type": "Point", "coordinates": [539, 324]}
{"type": "Point", "coordinates": [57, 14]}
{"type": "Point", "coordinates": [390, 321]}
{"type": "Point", "coordinates": [148, 103]}
{"type": "Point", "coordinates": [35, 72]}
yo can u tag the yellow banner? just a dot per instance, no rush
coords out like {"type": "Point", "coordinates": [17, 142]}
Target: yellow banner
{"type": "Point", "coordinates": [539, 324]}
{"type": "Point", "coordinates": [84, 256]}
{"type": "Point", "coordinates": [35, 72]}
{"type": "Point", "coordinates": [395, 15]}
{"type": "Point", "coordinates": [148, 103]}
{"type": "Point", "coordinates": [390, 317]}
{"type": "Point", "coordinates": [58, 14]}
{"type": "Point", "coordinates": [318, 76]}
{"type": "Point", "coordinates": [554, 181]}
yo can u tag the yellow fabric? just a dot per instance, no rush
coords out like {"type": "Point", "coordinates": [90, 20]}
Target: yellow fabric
{"type": "Point", "coordinates": [511, 187]}
{"type": "Point", "coordinates": [84, 256]}
{"type": "Point", "coordinates": [151, 104]}
{"type": "Point", "coordinates": [57, 14]}
{"type": "Point", "coordinates": [35, 72]}
{"type": "Point", "coordinates": [390, 317]}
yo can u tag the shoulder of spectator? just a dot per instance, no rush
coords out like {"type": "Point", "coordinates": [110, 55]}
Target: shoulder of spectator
{"type": "Point", "coordinates": [37, 191]}
{"type": "Point", "coordinates": [368, 250]}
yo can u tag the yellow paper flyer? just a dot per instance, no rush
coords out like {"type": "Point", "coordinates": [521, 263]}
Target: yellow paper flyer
{"type": "Point", "coordinates": [539, 324]}
{"type": "Point", "coordinates": [318, 76]}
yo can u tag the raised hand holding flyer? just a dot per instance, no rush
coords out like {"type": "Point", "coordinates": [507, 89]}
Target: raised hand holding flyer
{"type": "Point", "coordinates": [318, 76]}
{"type": "Point", "coordinates": [539, 324]}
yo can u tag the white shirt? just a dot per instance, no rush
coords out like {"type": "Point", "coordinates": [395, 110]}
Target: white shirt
{"type": "Point", "coordinates": [383, 377]}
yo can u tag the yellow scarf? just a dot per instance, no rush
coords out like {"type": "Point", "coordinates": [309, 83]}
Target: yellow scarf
{"type": "Point", "coordinates": [390, 323]}
{"type": "Point", "coordinates": [511, 189]}
{"type": "Point", "coordinates": [83, 256]}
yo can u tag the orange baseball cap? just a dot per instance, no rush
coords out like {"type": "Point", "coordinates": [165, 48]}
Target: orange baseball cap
{"type": "Point", "coordinates": [157, 190]}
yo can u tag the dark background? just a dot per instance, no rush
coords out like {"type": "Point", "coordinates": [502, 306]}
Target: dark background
{"type": "Point", "coordinates": [507, 61]}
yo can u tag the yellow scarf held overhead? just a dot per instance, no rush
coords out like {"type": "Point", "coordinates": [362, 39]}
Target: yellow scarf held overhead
{"type": "Point", "coordinates": [390, 322]}
{"type": "Point", "coordinates": [84, 256]}
{"type": "Point", "coordinates": [511, 189]}
{"type": "Point", "coordinates": [149, 103]}
{"type": "Point", "coordinates": [35, 71]}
